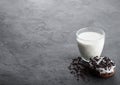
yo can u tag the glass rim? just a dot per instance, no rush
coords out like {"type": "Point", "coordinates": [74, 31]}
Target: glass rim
{"type": "Point", "coordinates": [100, 29]}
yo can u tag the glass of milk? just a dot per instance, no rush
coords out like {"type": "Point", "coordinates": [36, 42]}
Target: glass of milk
{"type": "Point", "coordinates": [90, 42]}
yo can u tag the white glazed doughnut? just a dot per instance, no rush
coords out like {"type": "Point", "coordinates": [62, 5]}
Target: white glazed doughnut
{"type": "Point", "coordinates": [104, 66]}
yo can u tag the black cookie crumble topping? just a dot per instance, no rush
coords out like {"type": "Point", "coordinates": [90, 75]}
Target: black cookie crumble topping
{"type": "Point", "coordinates": [102, 64]}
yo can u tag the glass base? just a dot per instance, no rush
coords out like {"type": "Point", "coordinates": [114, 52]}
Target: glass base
{"type": "Point", "coordinates": [86, 60]}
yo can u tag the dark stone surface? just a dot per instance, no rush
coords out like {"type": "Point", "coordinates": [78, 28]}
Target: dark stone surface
{"type": "Point", "coordinates": [37, 39]}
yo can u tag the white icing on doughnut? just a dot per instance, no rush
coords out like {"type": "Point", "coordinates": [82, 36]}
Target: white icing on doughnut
{"type": "Point", "coordinates": [101, 58]}
{"type": "Point", "coordinates": [106, 71]}
{"type": "Point", "coordinates": [102, 70]}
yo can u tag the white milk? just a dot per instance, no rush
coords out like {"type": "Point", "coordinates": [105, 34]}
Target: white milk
{"type": "Point", "coordinates": [90, 44]}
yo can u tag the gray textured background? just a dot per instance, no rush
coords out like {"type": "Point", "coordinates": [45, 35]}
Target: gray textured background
{"type": "Point", "coordinates": [37, 39]}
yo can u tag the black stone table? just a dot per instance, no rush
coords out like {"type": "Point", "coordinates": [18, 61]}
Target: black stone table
{"type": "Point", "coordinates": [37, 39]}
